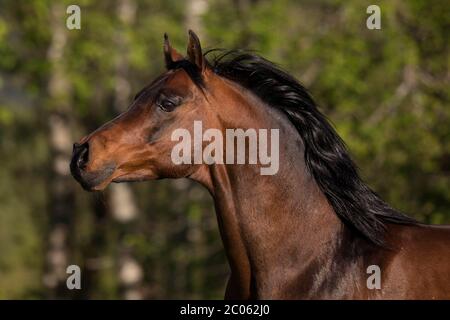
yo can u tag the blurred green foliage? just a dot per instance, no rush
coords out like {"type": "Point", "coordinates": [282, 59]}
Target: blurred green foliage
{"type": "Point", "coordinates": [386, 91]}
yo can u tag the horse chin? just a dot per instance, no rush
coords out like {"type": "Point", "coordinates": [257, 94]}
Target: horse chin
{"type": "Point", "coordinates": [130, 179]}
{"type": "Point", "coordinates": [102, 186]}
{"type": "Point", "coordinates": [135, 177]}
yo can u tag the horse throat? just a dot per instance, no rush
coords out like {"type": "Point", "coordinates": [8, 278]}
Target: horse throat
{"type": "Point", "coordinates": [275, 228]}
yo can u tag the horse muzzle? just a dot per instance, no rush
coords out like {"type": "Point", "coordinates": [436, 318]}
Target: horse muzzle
{"type": "Point", "coordinates": [88, 179]}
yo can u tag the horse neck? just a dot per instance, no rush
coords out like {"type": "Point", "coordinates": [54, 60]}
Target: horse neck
{"type": "Point", "coordinates": [273, 227]}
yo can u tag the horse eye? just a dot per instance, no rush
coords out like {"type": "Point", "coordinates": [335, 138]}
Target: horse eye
{"type": "Point", "coordinates": [168, 104]}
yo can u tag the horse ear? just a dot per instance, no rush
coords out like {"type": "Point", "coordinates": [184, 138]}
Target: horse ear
{"type": "Point", "coordinates": [194, 51]}
{"type": "Point", "coordinates": [170, 54]}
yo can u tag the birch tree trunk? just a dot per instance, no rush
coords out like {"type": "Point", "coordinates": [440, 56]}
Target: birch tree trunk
{"type": "Point", "coordinates": [60, 137]}
{"type": "Point", "coordinates": [195, 9]}
{"type": "Point", "coordinates": [122, 201]}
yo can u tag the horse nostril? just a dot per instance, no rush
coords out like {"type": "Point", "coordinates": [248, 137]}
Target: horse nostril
{"type": "Point", "coordinates": [81, 153]}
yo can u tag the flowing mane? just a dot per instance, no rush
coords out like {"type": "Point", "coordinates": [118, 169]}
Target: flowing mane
{"type": "Point", "coordinates": [326, 154]}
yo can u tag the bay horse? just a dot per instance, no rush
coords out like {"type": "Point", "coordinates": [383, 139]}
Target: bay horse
{"type": "Point", "coordinates": [314, 229]}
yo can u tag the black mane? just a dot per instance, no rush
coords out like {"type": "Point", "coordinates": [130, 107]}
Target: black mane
{"type": "Point", "coordinates": [326, 154]}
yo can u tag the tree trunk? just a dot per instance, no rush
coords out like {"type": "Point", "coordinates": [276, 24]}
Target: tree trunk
{"type": "Point", "coordinates": [122, 201]}
{"type": "Point", "coordinates": [60, 139]}
{"type": "Point", "coordinates": [195, 9]}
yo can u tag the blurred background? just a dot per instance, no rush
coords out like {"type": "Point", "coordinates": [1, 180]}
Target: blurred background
{"type": "Point", "coordinates": [386, 91]}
